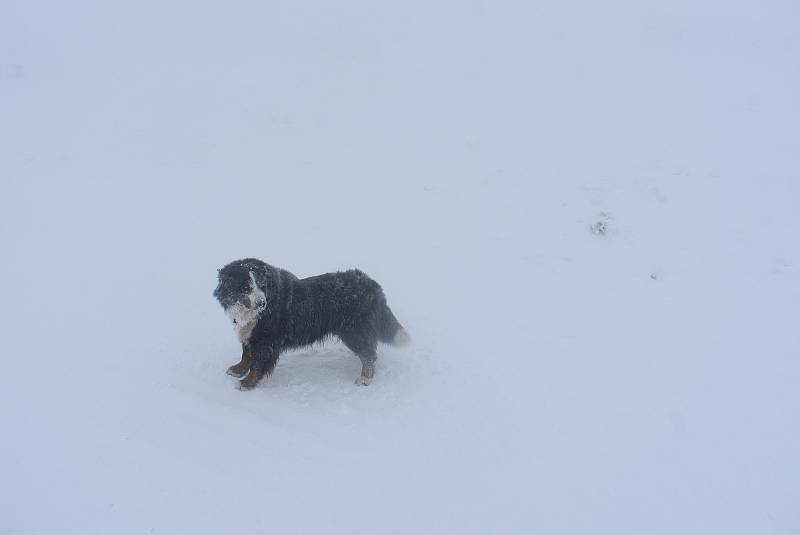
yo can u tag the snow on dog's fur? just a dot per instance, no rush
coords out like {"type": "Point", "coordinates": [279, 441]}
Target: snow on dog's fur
{"type": "Point", "coordinates": [245, 313]}
{"type": "Point", "coordinates": [272, 310]}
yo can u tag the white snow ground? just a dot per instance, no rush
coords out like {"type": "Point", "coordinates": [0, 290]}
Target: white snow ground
{"type": "Point", "coordinates": [644, 381]}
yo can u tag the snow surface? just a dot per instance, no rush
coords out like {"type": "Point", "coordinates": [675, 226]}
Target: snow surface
{"type": "Point", "coordinates": [641, 378]}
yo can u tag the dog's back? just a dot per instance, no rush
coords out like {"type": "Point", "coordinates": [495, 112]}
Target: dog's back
{"type": "Point", "coordinates": [345, 303]}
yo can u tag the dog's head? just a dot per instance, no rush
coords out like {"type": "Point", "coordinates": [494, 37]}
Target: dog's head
{"type": "Point", "coordinates": [238, 289]}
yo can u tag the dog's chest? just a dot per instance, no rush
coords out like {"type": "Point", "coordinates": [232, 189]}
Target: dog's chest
{"type": "Point", "coordinates": [244, 321]}
{"type": "Point", "coordinates": [244, 331]}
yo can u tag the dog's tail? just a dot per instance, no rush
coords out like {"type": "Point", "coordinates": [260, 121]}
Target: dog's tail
{"type": "Point", "coordinates": [389, 329]}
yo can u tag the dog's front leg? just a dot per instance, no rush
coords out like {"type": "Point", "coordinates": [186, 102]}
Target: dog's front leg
{"type": "Point", "coordinates": [241, 369]}
{"type": "Point", "coordinates": [264, 359]}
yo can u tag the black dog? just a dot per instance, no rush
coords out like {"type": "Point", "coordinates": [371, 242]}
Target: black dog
{"type": "Point", "coordinates": [272, 310]}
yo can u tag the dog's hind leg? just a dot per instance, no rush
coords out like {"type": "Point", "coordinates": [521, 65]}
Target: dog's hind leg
{"type": "Point", "coordinates": [365, 346]}
{"type": "Point", "coordinates": [241, 369]}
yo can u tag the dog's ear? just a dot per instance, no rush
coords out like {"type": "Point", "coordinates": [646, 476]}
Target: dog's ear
{"type": "Point", "coordinates": [259, 280]}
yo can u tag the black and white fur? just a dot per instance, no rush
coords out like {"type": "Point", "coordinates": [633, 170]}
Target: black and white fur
{"type": "Point", "coordinates": [272, 311]}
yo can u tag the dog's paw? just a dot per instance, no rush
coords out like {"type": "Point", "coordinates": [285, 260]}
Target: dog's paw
{"type": "Point", "coordinates": [233, 371]}
{"type": "Point", "coordinates": [252, 379]}
{"type": "Point", "coordinates": [363, 381]}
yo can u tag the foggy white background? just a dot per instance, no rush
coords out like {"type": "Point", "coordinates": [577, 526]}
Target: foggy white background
{"type": "Point", "coordinates": [560, 381]}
